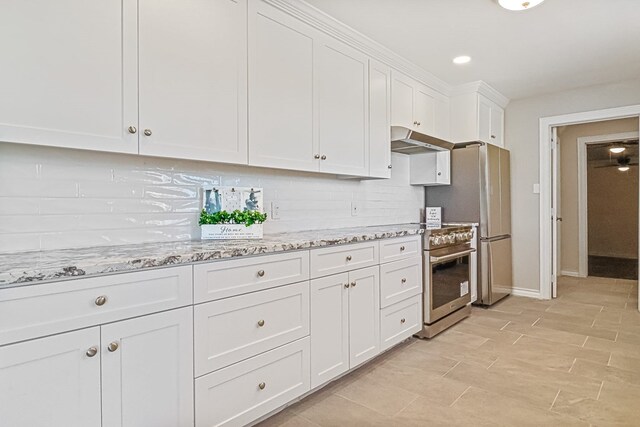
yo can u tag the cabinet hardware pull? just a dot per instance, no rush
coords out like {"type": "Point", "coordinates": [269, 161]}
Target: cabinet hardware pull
{"type": "Point", "coordinates": [353, 284]}
{"type": "Point", "coordinates": [402, 248]}
{"type": "Point", "coordinates": [493, 137]}
{"type": "Point", "coordinates": [132, 129]}
{"type": "Point", "coordinates": [101, 300]}
{"type": "Point", "coordinates": [346, 286]}
{"type": "Point", "coordinates": [147, 132]}
{"type": "Point", "coordinates": [403, 320]}
{"type": "Point", "coordinates": [261, 386]}
{"type": "Point", "coordinates": [92, 351]}
{"type": "Point", "coordinates": [348, 257]}
{"type": "Point", "coordinates": [317, 156]}
{"type": "Point", "coordinates": [113, 346]}
{"type": "Point", "coordinates": [261, 323]}
{"type": "Point", "coordinates": [404, 280]}
{"type": "Point", "coordinates": [261, 273]}
{"type": "Point", "coordinates": [323, 157]}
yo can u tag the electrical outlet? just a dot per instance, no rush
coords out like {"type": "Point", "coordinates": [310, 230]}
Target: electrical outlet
{"type": "Point", "coordinates": [275, 210]}
{"type": "Point", "coordinates": [355, 209]}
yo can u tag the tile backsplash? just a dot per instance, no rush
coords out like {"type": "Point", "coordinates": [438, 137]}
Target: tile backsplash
{"type": "Point", "coordinates": [53, 198]}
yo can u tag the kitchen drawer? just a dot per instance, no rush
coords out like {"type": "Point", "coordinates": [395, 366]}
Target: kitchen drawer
{"type": "Point", "coordinates": [337, 259]}
{"type": "Point", "coordinates": [224, 279]}
{"type": "Point", "coordinates": [237, 328]}
{"type": "Point", "coordinates": [400, 321]}
{"type": "Point", "coordinates": [241, 393]}
{"type": "Point", "coordinates": [400, 248]}
{"type": "Point", "coordinates": [400, 280]}
{"type": "Point", "coordinates": [31, 311]}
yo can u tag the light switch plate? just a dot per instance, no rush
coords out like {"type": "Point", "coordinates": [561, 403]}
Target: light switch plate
{"type": "Point", "coordinates": [355, 208]}
{"type": "Point", "coordinates": [275, 210]}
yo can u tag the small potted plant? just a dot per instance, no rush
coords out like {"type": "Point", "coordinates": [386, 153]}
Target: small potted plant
{"type": "Point", "coordinates": [232, 213]}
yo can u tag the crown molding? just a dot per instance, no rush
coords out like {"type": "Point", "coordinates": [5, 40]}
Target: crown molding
{"type": "Point", "coordinates": [483, 88]}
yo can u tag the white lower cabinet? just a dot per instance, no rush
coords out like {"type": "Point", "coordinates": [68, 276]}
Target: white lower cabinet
{"type": "Point", "coordinates": [400, 321]}
{"type": "Point", "coordinates": [241, 393]}
{"type": "Point", "coordinates": [51, 381]}
{"type": "Point", "coordinates": [147, 371]}
{"type": "Point", "coordinates": [344, 322]}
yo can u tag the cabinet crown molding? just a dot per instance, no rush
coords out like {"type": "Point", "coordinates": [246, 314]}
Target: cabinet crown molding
{"type": "Point", "coordinates": [482, 88]}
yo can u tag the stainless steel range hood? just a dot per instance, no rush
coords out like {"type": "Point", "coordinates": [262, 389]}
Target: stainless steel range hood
{"type": "Point", "coordinates": [407, 141]}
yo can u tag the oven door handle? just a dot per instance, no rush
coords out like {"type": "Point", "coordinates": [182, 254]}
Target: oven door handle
{"type": "Point", "coordinates": [434, 259]}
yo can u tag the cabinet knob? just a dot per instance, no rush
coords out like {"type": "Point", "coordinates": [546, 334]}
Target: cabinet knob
{"type": "Point", "coordinates": [418, 123]}
{"type": "Point", "coordinates": [415, 122]}
{"type": "Point", "coordinates": [403, 320]}
{"type": "Point", "coordinates": [101, 300]}
{"type": "Point", "coordinates": [147, 132]}
{"type": "Point", "coordinates": [403, 280]}
{"type": "Point", "coordinates": [346, 286]}
{"type": "Point", "coordinates": [353, 284]}
{"type": "Point", "coordinates": [317, 156]}
{"type": "Point", "coordinates": [261, 323]}
{"type": "Point", "coordinates": [92, 351]}
{"type": "Point", "coordinates": [439, 173]}
{"type": "Point", "coordinates": [261, 273]}
{"type": "Point", "coordinates": [132, 129]}
{"type": "Point", "coordinates": [261, 386]}
{"type": "Point", "coordinates": [389, 167]}
{"type": "Point", "coordinates": [323, 157]}
{"type": "Point", "coordinates": [401, 248]}
{"type": "Point", "coordinates": [493, 137]}
{"type": "Point", "coordinates": [113, 346]}
{"type": "Point", "coordinates": [348, 257]}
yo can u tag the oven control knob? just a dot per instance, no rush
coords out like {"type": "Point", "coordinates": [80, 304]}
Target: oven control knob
{"type": "Point", "coordinates": [436, 240]}
{"type": "Point", "coordinates": [452, 238]}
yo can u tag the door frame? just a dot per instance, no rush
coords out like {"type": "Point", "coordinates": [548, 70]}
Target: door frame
{"type": "Point", "coordinates": [583, 220]}
{"type": "Point", "coordinates": [546, 124]}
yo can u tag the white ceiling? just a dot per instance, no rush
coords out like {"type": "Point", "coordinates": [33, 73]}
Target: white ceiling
{"type": "Point", "coordinates": [559, 45]}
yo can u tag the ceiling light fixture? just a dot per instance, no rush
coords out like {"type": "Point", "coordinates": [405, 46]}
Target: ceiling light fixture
{"type": "Point", "coordinates": [519, 4]}
{"type": "Point", "coordinates": [617, 149]}
{"type": "Point", "coordinates": [463, 59]}
{"type": "Point", "coordinates": [623, 168]}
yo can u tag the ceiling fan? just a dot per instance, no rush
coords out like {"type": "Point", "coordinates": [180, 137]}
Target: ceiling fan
{"type": "Point", "coordinates": [623, 163]}
{"type": "Point", "coordinates": [621, 146]}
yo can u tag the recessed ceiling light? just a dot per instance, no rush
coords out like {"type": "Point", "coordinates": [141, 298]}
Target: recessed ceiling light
{"type": "Point", "coordinates": [623, 168]}
{"type": "Point", "coordinates": [519, 4]}
{"type": "Point", "coordinates": [617, 150]}
{"type": "Point", "coordinates": [461, 59]}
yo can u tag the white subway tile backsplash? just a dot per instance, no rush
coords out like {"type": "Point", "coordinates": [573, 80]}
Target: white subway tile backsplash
{"type": "Point", "coordinates": [54, 198]}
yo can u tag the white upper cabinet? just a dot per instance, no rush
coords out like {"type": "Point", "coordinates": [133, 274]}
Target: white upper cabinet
{"type": "Point", "coordinates": [281, 95]}
{"type": "Point", "coordinates": [342, 82]}
{"type": "Point", "coordinates": [474, 117]}
{"type": "Point", "coordinates": [68, 73]}
{"type": "Point", "coordinates": [193, 79]}
{"type": "Point", "coordinates": [418, 107]}
{"type": "Point", "coordinates": [431, 168]}
{"type": "Point", "coordinates": [379, 120]}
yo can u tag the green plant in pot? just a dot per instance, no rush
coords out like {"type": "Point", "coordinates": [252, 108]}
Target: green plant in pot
{"type": "Point", "coordinates": [248, 218]}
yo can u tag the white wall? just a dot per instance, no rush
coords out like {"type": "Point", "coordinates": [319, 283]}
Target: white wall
{"type": "Point", "coordinates": [58, 198]}
{"type": "Point", "coordinates": [522, 136]}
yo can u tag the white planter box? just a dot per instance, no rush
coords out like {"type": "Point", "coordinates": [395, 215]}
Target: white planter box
{"type": "Point", "coordinates": [230, 231]}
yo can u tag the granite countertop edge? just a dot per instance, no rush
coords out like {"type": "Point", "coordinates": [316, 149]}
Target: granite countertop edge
{"type": "Point", "coordinates": [31, 268]}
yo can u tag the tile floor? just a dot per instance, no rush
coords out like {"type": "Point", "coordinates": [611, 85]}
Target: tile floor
{"type": "Point", "coordinates": [571, 361]}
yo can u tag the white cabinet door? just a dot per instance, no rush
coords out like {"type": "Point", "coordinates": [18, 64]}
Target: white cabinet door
{"type": "Point", "coordinates": [282, 94]}
{"type": "Point", "coordinates": [379, 120]}
{"type": "Point", "coordinates": [51, 381]}
{"type": "Point", "coordinates": [364, 315]}
{"type": "Point", "coordinates": [442, 120]}
{"type": "Point", "coordinates": [402, 94]}
{"type": "Point", "coordinates": [329, 328]}
{"type": "Point", "coordinates": [68, 73]}
{"type": "Point", "coordinates": [443, 167]}
{"type": "Point", "coordinates": [484, 119]}
{"type": "Point", "coordinates": [497, 126]}
{"type": "Point", "coordinates": [342, 82]}
{"type": "Point", "coordinates": [424, 109]}
{"type": "Point", "coordinates": [147, 371]}
{"type": "Point", "coordinates": [193, 79]}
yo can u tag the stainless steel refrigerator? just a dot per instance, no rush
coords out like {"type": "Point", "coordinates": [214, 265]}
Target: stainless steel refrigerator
{"type": "Point", "coordinates": [480, 192]}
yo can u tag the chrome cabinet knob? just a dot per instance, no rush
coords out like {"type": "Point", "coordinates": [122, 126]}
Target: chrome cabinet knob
{"type": "Point", "coordinates": [261, 386]}
{"type": "Point", "coordinates": [261, 273]}
{"type": "Point", "coordinates": [415, 122]}
{"type": "Point", "coordinates": [113, 346]}
{"type": "Point", "coordinates": [147, 132]}
{"type": "Point", "coordinates": [353, 284]}
{"type": "Point", "coordinates": [101, 300]}
{"type": "Point", "coordinates": [132, 129]}
{"type": "Point", "coordinates": [346, 286]}
{"type": "Point", "coordinates": [261, 323]}
{"type": "Point", "coordinates": [323, 157]}
{"type": "Point", "coordinates": [317, 156]}
{"type": "Point", "coordinates": [439, 173]}
{"type": "Point", "coordinates": [493, 137]}
{"type": "Point", "coordinates": [418, 123]}
{"type": "Point", "coordinates": [403, 280]}
{"type": "Point", "coordinates": [403, 320]}
{"type": "Point", "coordinates": [401, 248]}
{"type": "Point", "coordinates": [389, 167]}
{"type": "Point", "coordinates": [92, 351]}
{"type": "Point", "coordinates": [349, 258]}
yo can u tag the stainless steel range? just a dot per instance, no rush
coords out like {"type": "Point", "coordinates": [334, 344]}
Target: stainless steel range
{"type": "Point", "coordinates": [446, 269]}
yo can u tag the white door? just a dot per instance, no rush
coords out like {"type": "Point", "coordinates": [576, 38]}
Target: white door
{"type": "Point", "coordinates": [281, 110]}
{"type": "Point", "coordinates": [329, 328]}
{"type": "Point", "coordinates": [555, 209]}
{"type": "Point", "coordinates": [342, 88]}
{"type": "Point", "coordinates": [484, 120]}
{"type": "Point", "coordinates": [424, 110]}
{"type": "Point", "coordinates": [402, 93]}
{"type": "Point", "coordinates": [364, 315]}
{"type": "Point", "coordinates": [497, 126]}
{"type": "Point", "coordinates": [68, 73]}
{"type": "Point", "coordinates": [53, 381]}
{"type": "Point", "coordinates": [147, 371]}
{"type": "Point", "coordinates": [379, 120]}
{"type": "Point", "coordinates": [193, 79]}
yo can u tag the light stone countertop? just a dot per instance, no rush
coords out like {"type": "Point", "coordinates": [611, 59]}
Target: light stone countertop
{"type": "Point", "coordinates": [25, 268]}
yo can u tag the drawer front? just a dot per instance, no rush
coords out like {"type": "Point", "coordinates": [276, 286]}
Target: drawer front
{"type": "Point", "coordinates": [241, 393]}
{"type": "Point", "coordinates": [223, 279]}
{"type": "Point", "coordinates": [237, 328]}
{"type": "Point", "coordinates": [400, 280]}
{"type": "Point", "coordinates": [400, 248]}
{"type": "Point", "coordinates": [400, 321]}
{"type": "Point", "coordinates": [32, 311]}
{"type": "Point", "coordinates": [337, 259]}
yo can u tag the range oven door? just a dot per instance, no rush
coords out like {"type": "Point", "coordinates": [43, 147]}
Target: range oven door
{"type": "Point", "coordinates": [447, 273]}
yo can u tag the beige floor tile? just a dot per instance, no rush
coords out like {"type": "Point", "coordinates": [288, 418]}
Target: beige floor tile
{"type": "Point", "coordinates": [487, 322]}
{"type": "Point", "coordinates": [605, 373]}
{"type": "Point", "coordinates": [547, 334]}
{"type": "Point", "coordinates": [542, 346]}
{"type": "Point", "coordinates": [624, 396]}
{"type": "Point", "coordinates": [476, 330]}
{"type": "Point", "coordinates": [578, 329]}
{"type": "Point", "coordinates": [624, 362]}
{"type": "Point", "coordinates": [287, 418]}
{"type": "Point", "coordinates": [592, 411]}
{"type": "Point", "coordinates": [339, 412]}
{"type": "Point", "coordinates": [621, 347]}
{"type": "Point", "coordinates": [547, 359]}
{"type": "Point", "coordinates": [421, 357]}
{"type": "Point", "coordinates": [453, 336]}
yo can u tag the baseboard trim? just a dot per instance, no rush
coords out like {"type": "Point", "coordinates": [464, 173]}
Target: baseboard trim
{"type": "Point", "coordinates": [570, 273]}
{"type": "Point", "coordinates": [528, 293]}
